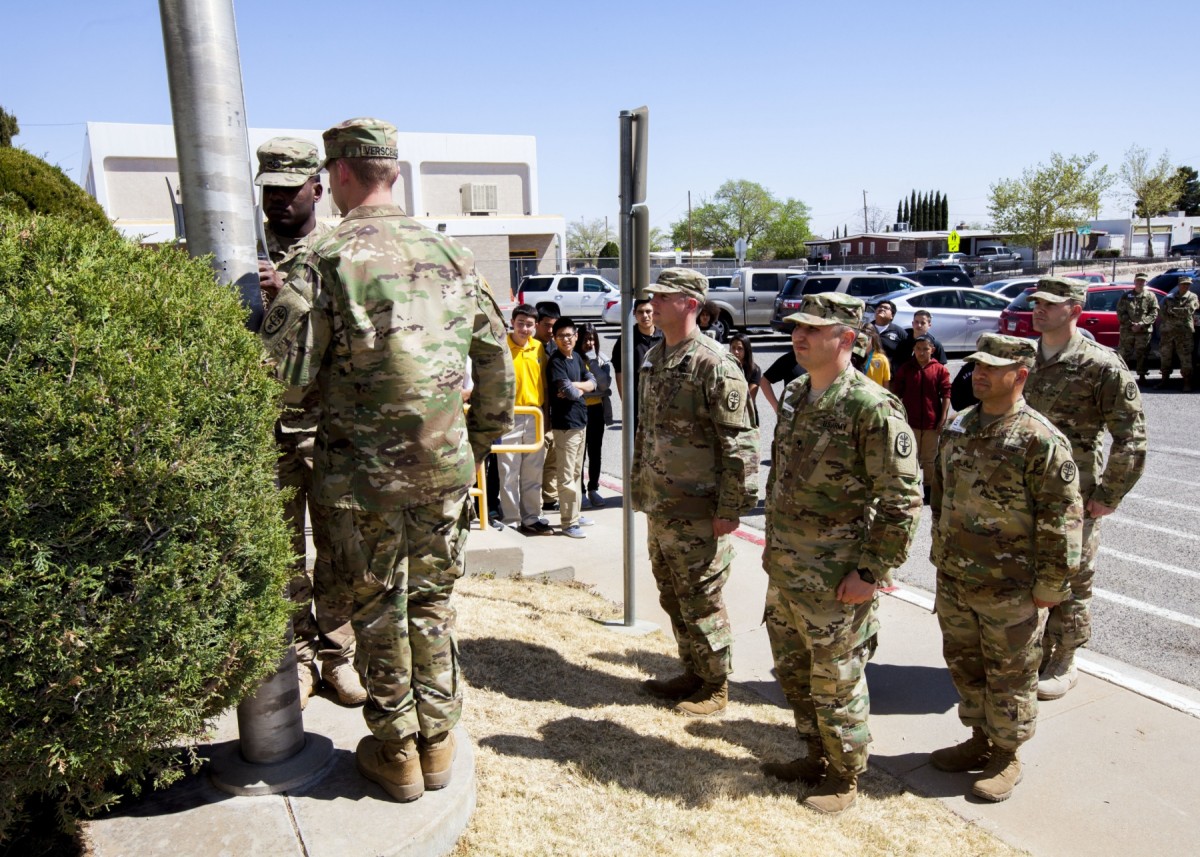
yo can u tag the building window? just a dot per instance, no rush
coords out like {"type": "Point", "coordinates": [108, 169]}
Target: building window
{"type": "Point", "coordinates": [893, 247]}
{"type": "Point", "coordinates": [860, 248]}
{"type": "Point", "coordinates": [871, 247]}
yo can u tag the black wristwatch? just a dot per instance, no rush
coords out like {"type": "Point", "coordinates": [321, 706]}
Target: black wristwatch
{"type": "Point", "coordinates": [866, 576]}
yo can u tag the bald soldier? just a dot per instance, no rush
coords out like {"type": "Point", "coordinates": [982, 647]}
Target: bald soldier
{"type": "Point", "coordinates": [397, 309]}
{"type": "Point", "coordinates": [842, 503]}
{"type": "Point", "coordinates": [1007, 527]}
{"type": "Point", "coordinates": [289, 172]}
{"type": "Point", "coordinates": [1085, 389]}
{"type": "Point", "coordinates": [695, 473]}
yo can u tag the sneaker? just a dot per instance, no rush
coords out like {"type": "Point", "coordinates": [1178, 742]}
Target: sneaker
{"type": "Point", "coordinates": [586, 522]}
{"type": "Point", "coordinates": [497, 523]}
{"type": "Point", "coordinates": [537, 528]}
{"type": "Point", "coordinates": [575, 532]}
{"type": "Point", "coordinates": [550, 507]}
{"type": "Point", "coordinates": [595, 499]}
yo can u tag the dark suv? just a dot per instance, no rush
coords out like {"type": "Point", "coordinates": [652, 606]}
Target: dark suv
{"type": "Point", "coordinates": [861, 284]}
{"type": "Point", "coordinates": [1187, 248]}
{"type": "Point", "coordinates": [1166, 282]}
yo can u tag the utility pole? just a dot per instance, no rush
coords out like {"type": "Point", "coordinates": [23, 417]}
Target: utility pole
{"type": "Point", "coordinates": [866, 226]}
{"type": "Point", "coordinates": [691, 243]}
{"type": "Point", "coordinates": [211, 143]}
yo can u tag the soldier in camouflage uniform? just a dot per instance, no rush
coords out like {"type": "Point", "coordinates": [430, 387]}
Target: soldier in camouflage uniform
{"type": "Point", "coordinates": [1084, 389]}
{"type": "Point", "coordinates": [289, 172]}
{"type": "Point", "coordinates": [396, 311]}
{"type": "Point", "coordinates": [1007, 523]}
{"type": "Point", "coordinates": [1136, 312]}
{"type": "Point", "coordinates": [695, 473]}
{"type": "Point", "coordinates": [842, 503]}
{"type": "Point", "coordinates": [1178, 332]}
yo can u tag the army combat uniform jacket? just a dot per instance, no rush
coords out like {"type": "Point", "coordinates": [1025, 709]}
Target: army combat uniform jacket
{"type": "Point", "coordinates": [1006, 504]}
{"type": "Point", "coordinates": [844, 492]}
{"type": "Point", "coordinates": [1179, 311]}
{"type": "Point", "coordinates": [1085, 389]}
{"type": "Point", "coordinates": [397, 311]}
{"type": "Point", "coordinates": [696, 448]}
{"type": "Point", "coordinates": [1133, 309]}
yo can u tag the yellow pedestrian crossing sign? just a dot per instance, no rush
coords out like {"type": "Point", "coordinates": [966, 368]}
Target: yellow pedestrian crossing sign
{"type": "Point", "coordinates": [952, 242]}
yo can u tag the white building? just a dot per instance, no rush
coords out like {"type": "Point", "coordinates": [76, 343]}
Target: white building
{"type": "Point", "coordinates": [480, 188]}
{"type": "Point", "coordinates": [1129, 234]}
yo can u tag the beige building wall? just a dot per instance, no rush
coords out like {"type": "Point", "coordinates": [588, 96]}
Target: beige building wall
{"type": "Point", "coordinates": [491, 261]}
{"type": "Point", "coordinates": [441, 187]}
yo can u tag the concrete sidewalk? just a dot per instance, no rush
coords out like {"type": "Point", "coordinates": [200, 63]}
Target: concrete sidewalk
{"type": "Point", "coordinates": [1110, 771]}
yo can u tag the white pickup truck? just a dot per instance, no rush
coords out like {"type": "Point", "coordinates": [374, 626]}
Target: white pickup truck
{"type": "Point", "coordinates": [749, 300]}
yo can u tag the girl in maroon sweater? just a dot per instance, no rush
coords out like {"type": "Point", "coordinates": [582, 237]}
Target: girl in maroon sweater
{"type": "Point", "coordinates": [923, 385]}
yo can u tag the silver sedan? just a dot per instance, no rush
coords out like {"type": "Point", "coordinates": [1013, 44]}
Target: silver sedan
{"type": "Point", "coordinates": [959, 315]}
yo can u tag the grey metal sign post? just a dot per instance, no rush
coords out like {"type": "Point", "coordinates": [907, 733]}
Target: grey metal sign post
{"type": "Point", "coordinates": [211, 142]}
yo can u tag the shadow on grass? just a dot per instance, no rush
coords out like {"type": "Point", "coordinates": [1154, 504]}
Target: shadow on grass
{"type": "Point", "coordinates": [536, 673]}
{"type": "Point", "coordinates": [611, 753]}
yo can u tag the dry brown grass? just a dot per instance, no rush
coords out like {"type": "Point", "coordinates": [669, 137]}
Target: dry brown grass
{"type": "Point", "coordinates": [572, 758]}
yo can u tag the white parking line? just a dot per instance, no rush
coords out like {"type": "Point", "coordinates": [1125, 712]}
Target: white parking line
{"type": "Point", "coordinates": [1191, 482]}
{"type": "Point", "coordinates": [1179, 534]}
{"type": "Point", "coordinates": [1175, 450]}
{"type": "Point", "coordinates": [1161, 566]}
{"type": "Point", "coordinates": [1184, 506]}
{"type": "Point", "coordinates": [1161, 612]}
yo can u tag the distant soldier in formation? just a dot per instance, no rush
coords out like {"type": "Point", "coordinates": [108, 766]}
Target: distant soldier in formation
{"type": "Point", "coordinates": [289, 172]}
{"type": "Point", "coordinates": [842, 503]}
{"type": "Point", "coordinates": [695, 473]}
{"type": "Point", "coordinates": [397, 310]}
{"type": "Point", "coordinates": [1136, 313]}
{"type": "Point", "coordinates": [1178, 332]}
{"type": "Point", "coordinates": [1084, 389]}
{"type": "Point", "coordinates": [1006, 540]}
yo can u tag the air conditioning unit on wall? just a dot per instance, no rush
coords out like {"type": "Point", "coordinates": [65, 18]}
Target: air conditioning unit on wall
{"type": "Point", "coordinates": [479, 198]}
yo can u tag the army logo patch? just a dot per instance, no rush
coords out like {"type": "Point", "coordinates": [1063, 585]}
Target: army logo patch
{"type": "Point", "coordinates": [733, 399]}
{"type": "Point", "coordinates": [1067, 471]}
{"type": "Point", "coordinates": [904, 444]}
{"type": "Point", "coordinates": [275, 320]}
{"type": "Point", "coordinates": [1130, 391]}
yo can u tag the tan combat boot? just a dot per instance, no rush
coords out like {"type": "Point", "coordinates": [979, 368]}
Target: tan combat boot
{"type": "Point", "coordinates": [345, 681]}
{"type": "Point", "coordinates": [809, 769]}
{"type": "Point", "coordinates": [395, 765]}
{"type": "Point", "coordinates": [710, 699]}
{"type": "Point", "coordinates": [971, 755]}
{"type": "Point", "coordinates": [306, 676]}
{"type": "Point", "coordinates": [1000, 776]}
{"type": "Point", "coordinates": [835, 795]}
{"type": "Point", "coordinates": [1059, 676]}
{"type": "Point", "coordinates": [674, 689]}
{"type": "Point", "coordinates": [437, 759]}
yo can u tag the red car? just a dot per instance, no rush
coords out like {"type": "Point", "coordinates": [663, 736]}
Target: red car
{"type": "Point", "coordinates": [1099, 313]}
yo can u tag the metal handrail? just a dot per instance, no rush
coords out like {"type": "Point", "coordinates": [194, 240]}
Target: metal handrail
{"type": "Point", "coordinates": [517, 448]}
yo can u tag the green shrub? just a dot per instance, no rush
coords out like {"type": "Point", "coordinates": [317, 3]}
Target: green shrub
{"type": "Point", "coordinates": [30, 185]}
{"type": "Point", "coordinates": [1107, 253]}
{"type": "Point", "coordinates": [609, 251]}
{"type": "Point", "coordinates": [142, 548]}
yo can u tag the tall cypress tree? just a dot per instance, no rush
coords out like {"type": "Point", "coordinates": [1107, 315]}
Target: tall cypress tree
{"type": "Point", "coordinates": [945, 212]}
{"type": "Point", "coordinates": [936, 213]}
{"type": "Point", "coordinates": [912, 211]}
{"type": "Point", "coordinates": [907, 218]}
{"type": "Point", "coordinates": [899, 213]}
{"type": "Point", "coordinates": [922, 213]}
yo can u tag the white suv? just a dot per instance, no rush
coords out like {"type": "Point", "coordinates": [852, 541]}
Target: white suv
{"type": "Point", "coordinates": [577, 295]}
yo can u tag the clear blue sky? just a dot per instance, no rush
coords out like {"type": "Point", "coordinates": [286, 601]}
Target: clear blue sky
{"type": "Point", "coordinates": [814, 101]}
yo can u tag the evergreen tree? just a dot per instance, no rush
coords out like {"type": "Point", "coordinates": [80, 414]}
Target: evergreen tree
{"type": "Point", "coordinates": [907, 218]}
{"type": "Point", "coordinates": [920, 218]}
{"type": "Point", "coordinates": [899, 213]}
{"type": "Point", "coordinates": [945, 212]}
{"type": "Point", "coordinates": [8, 127]}
{"type": "Point", "coordinates": [935, 214]}
{"type": "Point", "coordinates": [912, 212]}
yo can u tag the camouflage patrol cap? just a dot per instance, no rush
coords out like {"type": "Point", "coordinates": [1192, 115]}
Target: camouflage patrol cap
{"type": "Point", "coordinates": [682, 281]}
{"type": "Point", "coordinates": [361, 138]}
{"type": "Point", "coordinates": [1058, 290]}
{"type": "Point", "coordinates": [287, 162]}
{"type": "Point", "coordinates": [996, 349]}
{"type": "Point", "coordinates": [1140, 275]}
{"type": "Point", "coordinates": [1184, 281]}
{"type": "Point", "coordinates": [828, 308]}
{"type": "Point", "coordinates": [862, 344]}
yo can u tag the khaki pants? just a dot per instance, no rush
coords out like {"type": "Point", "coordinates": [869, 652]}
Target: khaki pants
{"type": "Point", "coordinates": [568, 464]}
{"type": "Point", "coordinates": [927, 446]}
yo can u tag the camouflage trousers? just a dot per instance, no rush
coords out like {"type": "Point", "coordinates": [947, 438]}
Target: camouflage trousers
{"type": "Point", "coordinates": [327, 634]}
{"type": "Point", "coordinates": [402, 566]}
{"type": "Point", "coordinates": [1134, 347]}
{"type": "Point", "coordinates": [821, 648]}
{"type": "Point", "coordinates": [690, 566]}
{"type": "Point", "coordinates": [1176, 343]}
{"type": "Point", "coordinates": [991, 640]}
{"type": "Point", "coordinates": [1069, 625]}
